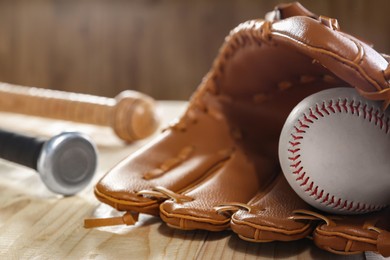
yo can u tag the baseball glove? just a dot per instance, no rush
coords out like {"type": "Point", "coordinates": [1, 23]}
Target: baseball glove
{"type": "Point", "coordinates": [217, 166]}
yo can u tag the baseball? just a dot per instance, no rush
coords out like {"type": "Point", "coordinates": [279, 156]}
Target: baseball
{"type": "Point", "coordinates": [334, 150]}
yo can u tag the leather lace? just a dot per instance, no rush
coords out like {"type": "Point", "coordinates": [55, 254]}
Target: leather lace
{"type": "Point", "coordinates": [164, 193]}
{"type": "Point", "coordinates": [303, 214]}
{"type": "Point", "coordinates": [232, 207]}
{"type": "Point", "coordinates": [383, 95]}
{"type": "Point", "coordinates": [382, 242]}
{"type": "Point", "coordinates": [127, 219]}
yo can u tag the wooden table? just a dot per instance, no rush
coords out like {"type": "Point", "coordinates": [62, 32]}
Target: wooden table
{"type": "Point", "coordinates": [37, 224]}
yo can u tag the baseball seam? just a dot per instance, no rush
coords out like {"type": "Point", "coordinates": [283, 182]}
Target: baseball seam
{"type": "Point", "coordinates": [356, 108]}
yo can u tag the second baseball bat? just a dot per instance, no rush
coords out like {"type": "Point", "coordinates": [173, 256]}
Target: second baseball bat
{"type": "Point", "coordinates": [130, 114]}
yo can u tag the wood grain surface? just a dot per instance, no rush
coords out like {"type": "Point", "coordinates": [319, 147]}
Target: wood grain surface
{"type": "Point", "coordinates": [36, 224]}
{"type": "Point", "coordinates": [160, 47]}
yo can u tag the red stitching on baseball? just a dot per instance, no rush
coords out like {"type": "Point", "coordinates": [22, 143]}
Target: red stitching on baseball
{"type": "Point", "coordinates": [319, 112]}
{"type": "Point", "coordinates": [294, 150]}
{"type": "Point", "coordinates": [369, 113]}
{"type": "Point", "coordinates": [379, 119]}
{"type": "Point", "coordinates": [340, 106]}
{"type": "Point", "coordinates": [330, 106]}
{"type": "Point", "coordinates": [365, 111]}
{"type": "Point", "coordinates": [307, 119]}
{"type": "Point", "coordinates": [312, 114]}
{"type": "Point", "coordinates": [296, 164]}
{"type": "Point", "coordinates": [305, 181]}
{"type": "Point", "coordinates": [294, 158]}
{"type": "Point", "coordinates": [298, 171]}
{"type": "Point", "coordinates": [344, 104]}
{"type": "Point", "coordinates": [323, 108]}
{"type": "Point", "coordinates": [296, 137]}
{"type": "Point", "coordinates": [294, 143]}
{"type": "Point", "coordinates": [321, 194]}
{"type": "Point", "coordinates": [351, 107]}
{"type": "Point", "coordinates": [350, 206]}
{"type": "Point", "coordinates": [299, 131]}
{"type": "Point", "coordinates": [337, 203]}
{"type": "Point", "coordinates": [301, 177]}
{"type": "Point", "coordinates": [326, 198]}
{"type": "Point", "coordinates": [302, 124]}
{"type": "Point", "coordinates": [331, 201]}
{"type": "Point", "coordinates": [358, 207]}
{"type": "Point", "coordinates": [358, 108]}
{"type": "Point", "coordinates": [310, 186]}
{"type": "Point", "coordinates": [314, 193]}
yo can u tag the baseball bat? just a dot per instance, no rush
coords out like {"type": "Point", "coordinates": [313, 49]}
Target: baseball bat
{"type": "Point", "coordinates": [131, 114]}
{"type": "Point", "coordinates": [66, 162]}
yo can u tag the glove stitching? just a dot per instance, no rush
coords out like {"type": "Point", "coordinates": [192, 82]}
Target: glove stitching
{"type": "Point", "coordinates": [353, 107]}
{"type": "Point", "coordinates": [353, 64]}
{"type": "Point", "coordinates": [170, 163]}
{"type": "Point", "coordinates": [275, 229]}
{"type": "Point", "coordinates": [186, 218]}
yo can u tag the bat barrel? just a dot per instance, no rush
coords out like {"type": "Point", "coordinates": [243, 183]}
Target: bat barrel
{"type": "Point", "coordinates": [66, 162]}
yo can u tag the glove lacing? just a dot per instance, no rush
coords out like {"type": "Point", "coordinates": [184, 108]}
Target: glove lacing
{"type": "Point", "coordinates": [380, 242]}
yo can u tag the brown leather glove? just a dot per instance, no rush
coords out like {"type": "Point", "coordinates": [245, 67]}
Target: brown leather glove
{"type": "Point", "coordinates": [220, 158]}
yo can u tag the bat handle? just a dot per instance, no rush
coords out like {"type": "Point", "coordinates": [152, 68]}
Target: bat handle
{"type": "Point", "coordinates": [131, 115]}
{"type": "Point", "coordinates": [20, 149]}
{"type": "Point", "coordinates": [66, 162]}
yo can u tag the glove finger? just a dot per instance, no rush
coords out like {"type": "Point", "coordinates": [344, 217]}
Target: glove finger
{"type": "Point", "coordinates": [177, 160]}
{"type": "Point", "coordinates": [236, 181]}
{"type": "Point", "coordinates": [268, 216]}
{"type": "Point", "coordinates": [354, 234]}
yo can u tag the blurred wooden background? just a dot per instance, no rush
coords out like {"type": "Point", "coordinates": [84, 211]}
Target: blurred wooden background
{"type": "Point", "coordinates": [160, 47]}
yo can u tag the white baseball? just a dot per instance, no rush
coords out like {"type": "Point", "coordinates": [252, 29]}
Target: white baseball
{"type": "Point", "coordinates": [334, 150]}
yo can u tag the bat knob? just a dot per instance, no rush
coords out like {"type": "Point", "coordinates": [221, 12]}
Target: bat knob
{"type": "Point", "coordinates": [134, 116]}
{"type": "Point", "coordinates": [67, 163]}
